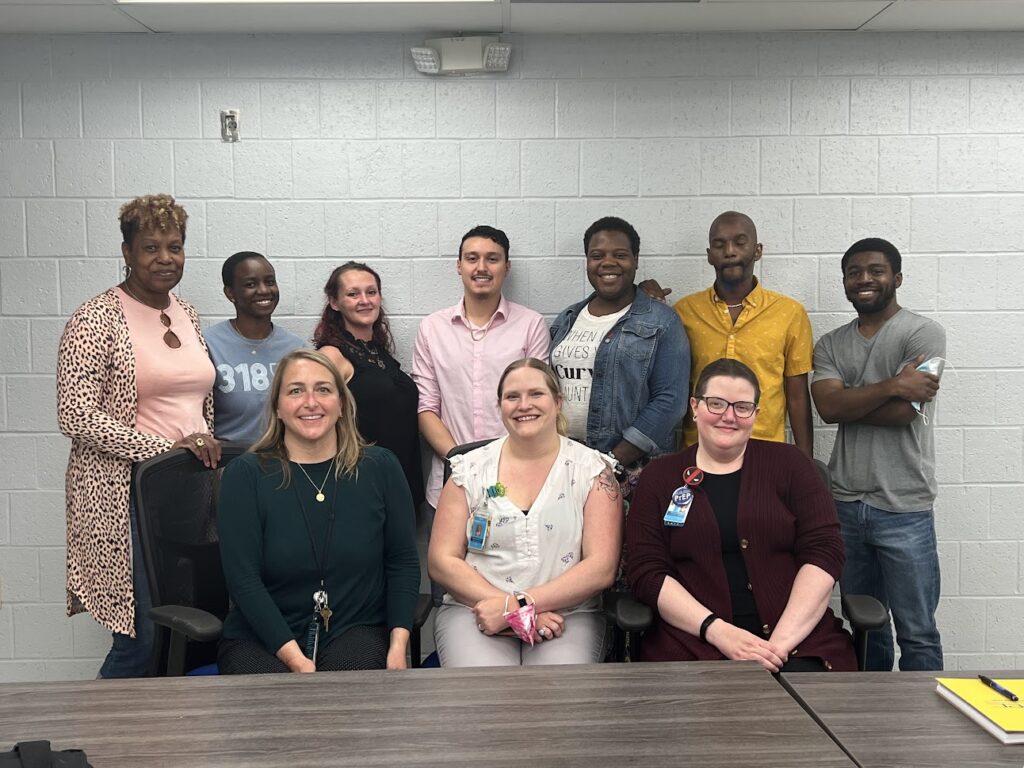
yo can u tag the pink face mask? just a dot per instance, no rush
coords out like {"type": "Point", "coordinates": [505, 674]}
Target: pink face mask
{"type": "Point", "coordinates": [523, 621]}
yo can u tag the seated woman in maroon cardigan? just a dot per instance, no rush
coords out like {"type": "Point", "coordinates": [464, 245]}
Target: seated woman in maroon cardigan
{"type": "Point", "coordinates": [735, 542]}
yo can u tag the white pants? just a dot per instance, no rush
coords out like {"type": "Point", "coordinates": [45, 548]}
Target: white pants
{"type": "Point", "coordinates": [460, 644]}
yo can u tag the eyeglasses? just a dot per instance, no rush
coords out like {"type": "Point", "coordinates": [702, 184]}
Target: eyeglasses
{"type": "Point", "coordinates": [170, 337]}
{"type": "Point", "coordinates": [743, 409]}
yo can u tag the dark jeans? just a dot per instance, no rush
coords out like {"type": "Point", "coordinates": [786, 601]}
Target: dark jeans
{"type": "Point", "coordinates": [128, 656]}
{"type": "Point", "coordinates": [893, 557]}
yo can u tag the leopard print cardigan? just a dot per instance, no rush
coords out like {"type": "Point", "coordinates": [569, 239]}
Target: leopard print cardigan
{"type": "Point", "coordinates": [96, 408]}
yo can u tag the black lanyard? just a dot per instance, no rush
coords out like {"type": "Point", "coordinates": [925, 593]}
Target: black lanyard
{"type": "Point", "coordinates": [321, 566]}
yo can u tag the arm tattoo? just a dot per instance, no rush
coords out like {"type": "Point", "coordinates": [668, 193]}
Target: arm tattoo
{"type": "Point", "coordinates": [606, 482]}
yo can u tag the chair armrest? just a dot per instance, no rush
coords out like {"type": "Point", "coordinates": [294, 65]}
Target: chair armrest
{"type": "Point", "coordinates": [864, 612]}
{"type": "Point", "coordinates": [424, 605]}
{"type": "Point", "coordinates": [194, 623]}
{"type": "Point", "coordinates": [626, 612]}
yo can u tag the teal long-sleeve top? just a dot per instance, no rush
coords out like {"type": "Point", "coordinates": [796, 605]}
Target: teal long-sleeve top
{"type": "Point", "coordinates": [372, 575]}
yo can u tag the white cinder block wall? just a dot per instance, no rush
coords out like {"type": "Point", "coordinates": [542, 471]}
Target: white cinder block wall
{"type": "Point", "coordinates": [347, 152]}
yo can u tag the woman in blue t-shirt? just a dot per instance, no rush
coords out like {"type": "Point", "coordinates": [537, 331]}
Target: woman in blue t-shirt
{"type": "Point", "coordinates": [245, 349]}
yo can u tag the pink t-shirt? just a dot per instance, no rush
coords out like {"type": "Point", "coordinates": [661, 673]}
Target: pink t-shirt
{"type": "Point", "coordinates": [171, 383]}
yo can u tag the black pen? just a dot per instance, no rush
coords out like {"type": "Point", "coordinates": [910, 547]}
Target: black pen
{"type": "Point", "coordinates": [998, 688]}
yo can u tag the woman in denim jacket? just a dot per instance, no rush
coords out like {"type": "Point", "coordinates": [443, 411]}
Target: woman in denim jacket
{"type": "Point", "coordinates": [621, 357]}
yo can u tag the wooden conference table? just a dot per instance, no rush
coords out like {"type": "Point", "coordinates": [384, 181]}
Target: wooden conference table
{"type": "Point", "coordinates": [896, 719]}
{"type": "Point", "coordinates": [705, 714]}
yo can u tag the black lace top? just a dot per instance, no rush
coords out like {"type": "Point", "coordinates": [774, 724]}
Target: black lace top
{"type": "Point", "coordinates": [386, 401]}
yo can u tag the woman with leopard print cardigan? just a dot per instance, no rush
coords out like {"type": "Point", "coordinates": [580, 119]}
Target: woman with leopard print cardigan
{"type": "Point", "coordinates": [133, 381]}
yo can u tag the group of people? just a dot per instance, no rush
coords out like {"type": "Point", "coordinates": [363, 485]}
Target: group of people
{"type": "Point", "coordinates": [735, 541]}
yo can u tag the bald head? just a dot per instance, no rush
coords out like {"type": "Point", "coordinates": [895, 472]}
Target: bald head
{"type": "Point", "coordinates": [734, 217]}
{"type": "Point", "coordinates": [733, 250]}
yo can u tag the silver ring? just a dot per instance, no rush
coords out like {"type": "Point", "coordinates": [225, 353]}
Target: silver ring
{"type": "Point", "coordinates": [480, 627]}
{"type": "Point", "coordinates": [542, 632]}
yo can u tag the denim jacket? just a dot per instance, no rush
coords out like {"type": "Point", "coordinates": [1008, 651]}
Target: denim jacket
{"type": "Point", "coordinates": [641, 376]}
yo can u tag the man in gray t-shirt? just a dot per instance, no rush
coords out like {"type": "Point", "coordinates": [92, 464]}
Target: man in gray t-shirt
{"type": "Point", "coordinates": [866, 379]}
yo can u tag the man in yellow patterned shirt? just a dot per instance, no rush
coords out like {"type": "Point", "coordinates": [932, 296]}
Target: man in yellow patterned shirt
{"type": "Point", "coordinates": [738, 318]}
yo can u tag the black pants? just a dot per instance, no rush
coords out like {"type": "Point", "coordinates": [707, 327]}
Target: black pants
{"type": "Point", "coordinates": [752, 623]}
{"type": "Point", "coordinates": [362, 647]}
{"type": "Point", "coordinates": [803, 664]}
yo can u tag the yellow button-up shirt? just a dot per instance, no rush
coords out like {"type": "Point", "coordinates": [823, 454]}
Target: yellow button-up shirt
{"type": "Point", "coordinates": [772, 335]}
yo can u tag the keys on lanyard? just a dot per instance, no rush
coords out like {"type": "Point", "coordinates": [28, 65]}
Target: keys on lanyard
{"type": "Point", "coordinates": [321, 613]}
{"type": "Point", "coordinates": [322, 608]}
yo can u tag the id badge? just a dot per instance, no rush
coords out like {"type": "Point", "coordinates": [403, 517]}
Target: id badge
{"type": "Point", "coordinates": [478, 531]}
{"type": "Point", "coordinates": [312, 640]}
{"type": "Point", "coordinates": [679, 508]}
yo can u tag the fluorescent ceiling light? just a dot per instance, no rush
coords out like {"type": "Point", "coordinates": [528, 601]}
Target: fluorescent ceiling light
{"type": "Point", "coordinates": [290, 2]}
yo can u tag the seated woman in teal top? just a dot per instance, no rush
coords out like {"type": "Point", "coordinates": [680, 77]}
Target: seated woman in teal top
{"type": "Point", "coordinates": [317, 537]}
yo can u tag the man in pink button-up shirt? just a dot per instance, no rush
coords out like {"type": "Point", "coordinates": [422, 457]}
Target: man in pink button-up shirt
{"type": "Point", "coordinates": [462, 350]}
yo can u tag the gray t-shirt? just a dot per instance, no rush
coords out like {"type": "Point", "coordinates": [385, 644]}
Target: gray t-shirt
{"type": "Point", "coordinates": [888, 467]}
{"type": "Point", "coordinates": [245, 368]}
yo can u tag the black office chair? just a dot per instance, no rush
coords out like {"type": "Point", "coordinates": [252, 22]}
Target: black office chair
{"type": "Point", "coordinates": [626, 616]}
{"type": "Point", "coordinates": [864, 612]}
{"type": "Point", "coordinates": [176, 502]}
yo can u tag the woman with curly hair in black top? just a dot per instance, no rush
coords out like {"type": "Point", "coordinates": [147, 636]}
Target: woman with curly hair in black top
{"type": "Point", "coordinates": [353, 333]}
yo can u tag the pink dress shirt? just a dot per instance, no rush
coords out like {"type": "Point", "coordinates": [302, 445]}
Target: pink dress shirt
{"type": "Point", "coordinates": [456, 366]}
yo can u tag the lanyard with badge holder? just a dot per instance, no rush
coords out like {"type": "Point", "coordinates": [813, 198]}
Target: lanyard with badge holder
{"type": "Point", "coordinates": [481, 522]}
{"type": "Point", "coordinates": [321, 602]}
{"type": "Point", "coordinates": [682, 498]}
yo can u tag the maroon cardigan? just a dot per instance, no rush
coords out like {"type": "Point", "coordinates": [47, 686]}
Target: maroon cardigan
{"type": "Point", "coordinates": [787, 518]}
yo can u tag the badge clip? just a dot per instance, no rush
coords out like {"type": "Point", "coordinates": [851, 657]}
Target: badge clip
{"type": "Point", "coordinates": [679, 508]}
{"type": "Point", "coordinates": [478, 530]}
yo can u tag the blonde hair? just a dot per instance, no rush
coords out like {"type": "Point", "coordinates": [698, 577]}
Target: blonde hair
{"type": "Point", "coordinates": [151, 213]}
{"type": "Point", "coordinates": [350, 443]}
{"type": "Point", "coordinates": [561, 421]}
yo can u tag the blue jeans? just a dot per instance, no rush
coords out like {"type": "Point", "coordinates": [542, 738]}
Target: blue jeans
{"type": "Point", "coordinates": [131, 657]}
{"type": "Point", "coordinates": [893, 557]}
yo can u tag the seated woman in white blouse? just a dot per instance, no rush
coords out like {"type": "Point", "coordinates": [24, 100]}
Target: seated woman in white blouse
{"type": "Point", "coordinates": [552, 536]}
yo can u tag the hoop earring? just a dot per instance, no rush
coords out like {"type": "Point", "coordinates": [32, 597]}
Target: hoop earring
{"type": "Point", "coordinates": [127, 271]}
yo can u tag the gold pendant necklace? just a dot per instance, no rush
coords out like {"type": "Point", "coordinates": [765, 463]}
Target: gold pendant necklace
{"type": "Point", "coordinates": [130, 292]}
{"type": "Point", "coordinates": [170, 337]}
{"type": "Point", "coordinates": [319, 491]}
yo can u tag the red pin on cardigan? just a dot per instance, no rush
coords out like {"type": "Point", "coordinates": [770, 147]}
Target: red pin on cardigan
{"type": "Point", "coordinates": [693, 476]}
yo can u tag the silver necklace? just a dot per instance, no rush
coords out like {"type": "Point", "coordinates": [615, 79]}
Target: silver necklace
{"type": "Point", "coordinates": [254, 344]}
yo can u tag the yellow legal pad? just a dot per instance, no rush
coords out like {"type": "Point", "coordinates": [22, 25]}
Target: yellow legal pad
{"type": "Point", "coordinates": [1001, 717]}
